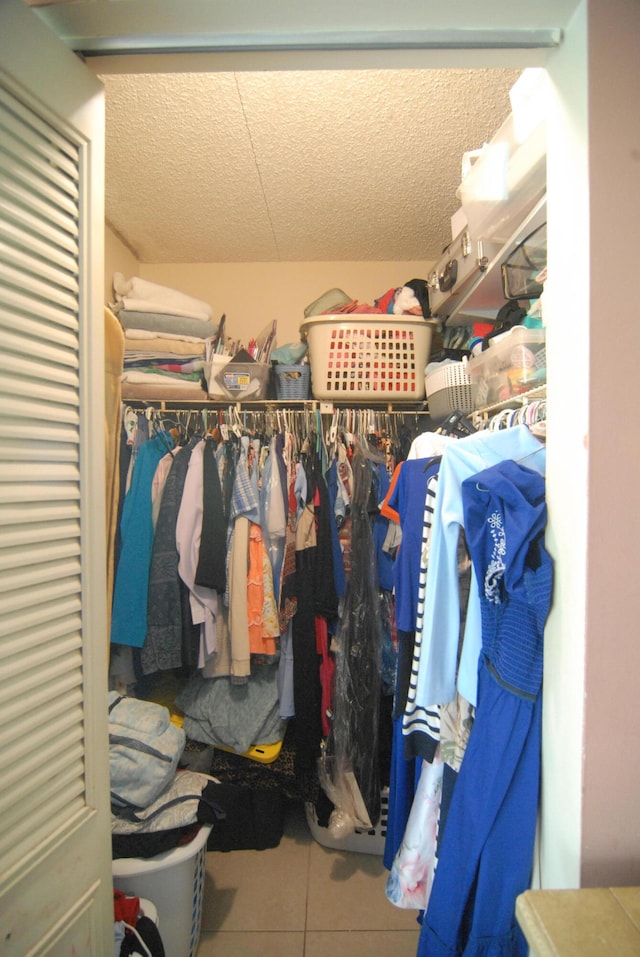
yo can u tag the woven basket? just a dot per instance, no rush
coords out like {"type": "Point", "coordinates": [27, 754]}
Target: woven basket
{"type": "Point", "coordinates": [450, 389]}
{"type": "Point", "coordinates": [292, 382]}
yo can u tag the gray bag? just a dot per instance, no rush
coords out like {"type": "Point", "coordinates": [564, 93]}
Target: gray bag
{"type": "Point", "coordinates": [328, 301]}
{"type": "Point", "coordinates": [144, 750]}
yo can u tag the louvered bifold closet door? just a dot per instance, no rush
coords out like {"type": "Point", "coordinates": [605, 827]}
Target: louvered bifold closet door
{"type": "Point", "coordinates": [42, 782]}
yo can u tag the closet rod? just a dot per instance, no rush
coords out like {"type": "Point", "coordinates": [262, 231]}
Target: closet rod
{"type": "Point", "coordinates": [304, 406]}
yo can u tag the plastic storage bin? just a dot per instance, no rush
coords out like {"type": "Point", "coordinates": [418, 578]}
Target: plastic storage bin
{"type": "Point", "coordinates": [361, 840]}
{"type": "Point", "coordinates": [366, 356]}
{"type": "Point", "coordinates": [505, 182]}
{"type": "Point", "coordinates": [450, 389]}
{"type": "Point", "coordinates": [237, 380]}
{"type": "Point", "coordinates": [513, 364]}
{"type": "Point", "coordinates": [292, 382]}
{"type": "Point", "coordinates": [174, 882]}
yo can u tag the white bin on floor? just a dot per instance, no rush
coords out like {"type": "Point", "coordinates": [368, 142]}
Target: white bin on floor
{"type": "Point", "coordinates": [174, 881]}
{"type": "Point", "coordinates": [361, 840]}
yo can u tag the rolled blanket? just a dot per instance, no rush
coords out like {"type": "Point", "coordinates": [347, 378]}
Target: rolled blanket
{"type": "Point", "coordinates": [151, 297]}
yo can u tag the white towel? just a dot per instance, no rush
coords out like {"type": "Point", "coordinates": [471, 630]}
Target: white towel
{"type": "Point", "coordinates": [135, 377]}
{"type": "Point", "coordinates": [141, 295]}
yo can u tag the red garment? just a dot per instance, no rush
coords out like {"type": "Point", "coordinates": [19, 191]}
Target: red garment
{"type": "Point", "coordinates": [125, 908]}
{"type": "Point", "coordinates": [327, 670]}
{"type": "Point", "coordinates": [356, 307]}
{"type": "Point", "coordinates": [383, 302]}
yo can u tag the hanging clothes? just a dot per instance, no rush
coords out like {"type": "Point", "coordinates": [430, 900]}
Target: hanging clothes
{"type": "Point", "coordinates": [438, 671]}
{"type": "Point", "coordinates": [129, 615]}
{"type": "Point", "coordinates": [486, 851]}
{"type": "Point", "coordinates": [203, 601]}
{"type": "Point", "coordinates": [357, 700]}
{"type": "Point", "coordinates": [163, 647]}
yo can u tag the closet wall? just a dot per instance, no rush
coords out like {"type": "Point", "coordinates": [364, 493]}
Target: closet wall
{"type": "Point", "coordinates": [252, 294]}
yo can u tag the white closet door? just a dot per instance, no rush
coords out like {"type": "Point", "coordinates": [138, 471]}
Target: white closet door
{"type": "Point", "coordinates": [55, 871]}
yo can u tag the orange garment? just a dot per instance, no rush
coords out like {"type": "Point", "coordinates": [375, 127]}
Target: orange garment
{"type": "Point", "coordinates": [262, 613]}
{"type": "Point", "coordinates": [385, 508]}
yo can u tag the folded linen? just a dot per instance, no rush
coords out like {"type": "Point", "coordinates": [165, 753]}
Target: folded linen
{"type": "Point", "coordinates": [150, 334]}
{"type": "Point", "coordinates": [135, 392]}
{"type": "Point", "coordinates": [140, 377]}
{"type": "Point", "coordinates": [163, 363]}
{"type": "Point", "coordinates": [163, 346]}
{"type": "Point", "coordinates": [159, 298]}
{"type": "Point", "coordinates": [167, 322]}
{"type": "Point", "coordinates": [148, 305]}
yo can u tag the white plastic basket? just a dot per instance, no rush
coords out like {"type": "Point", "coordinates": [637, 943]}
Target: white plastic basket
{"type": "Point", "coordinates": [362, 356]}
{"type": "Point", "coordinates": [174, 882]}
{"type": "Point", "coordinates": [448, 389]}
{"type": "Point", "coordinates": [360, 840]}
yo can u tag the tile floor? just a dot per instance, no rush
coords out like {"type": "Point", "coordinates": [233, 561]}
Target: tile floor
{"type": "Point", "coordinates": [301, 899]}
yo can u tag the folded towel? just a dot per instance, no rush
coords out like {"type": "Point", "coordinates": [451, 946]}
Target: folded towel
{"type": "Point", "coordinates": [167, 322]}
{"type": "Point", "coordinates": [163, 308]}
{"type": "Point", "coordinates": [161, 347]}
{"type": "Point", "coordinates": [150, 334]}
{"type": "Point", "coordinates": [139, 377]}
{"type": "Point", "coordinates": [159, 298]}
{"type": "Point", "coordinates": [167, 389]}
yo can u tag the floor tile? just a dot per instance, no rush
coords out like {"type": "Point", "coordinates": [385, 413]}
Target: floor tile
{"type": "Point", "coordinates": [360, 943]}
{"type": "Point", "coordinates": [347, 893]}
{"type": "Point", "coordinates": [258, 944]}
{"type": "Point", "coordinates": [259, 890]}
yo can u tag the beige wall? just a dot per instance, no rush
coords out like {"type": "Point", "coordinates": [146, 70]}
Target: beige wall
{"type": "Point", "coordinates": [253, 294]}
{"type": "Point", "coordinates": [117, 258]}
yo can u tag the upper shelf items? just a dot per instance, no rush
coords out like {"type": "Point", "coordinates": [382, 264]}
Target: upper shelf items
{"type": "Point", "coordinates": [503, 199]}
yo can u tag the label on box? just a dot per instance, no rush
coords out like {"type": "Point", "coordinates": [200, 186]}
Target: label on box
{"type": "Point", "coordinates": [236, 381]}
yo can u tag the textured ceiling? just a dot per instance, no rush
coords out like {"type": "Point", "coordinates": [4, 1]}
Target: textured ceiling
{"type": "Point", "coordinates": [293, 166]}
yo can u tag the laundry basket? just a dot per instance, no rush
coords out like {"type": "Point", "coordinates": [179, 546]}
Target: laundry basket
{"type": "Point", "coordinates": [363, 356]}
{"type": "Point", "coordinates": [361, 840]}
{"type": "Point", "coordinates": [174, 881]}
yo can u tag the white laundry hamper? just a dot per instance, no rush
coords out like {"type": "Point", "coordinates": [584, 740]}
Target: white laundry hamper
{"type": "Point", "coordinates": [174, 882]}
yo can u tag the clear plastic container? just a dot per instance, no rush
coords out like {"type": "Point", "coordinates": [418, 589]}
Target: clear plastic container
{"type": "Point", "coordinates": [513, 364]}
{"type": "Point", "coordinates": [504, 183]}
{"type": "Point", "coordinates": [237, 380]}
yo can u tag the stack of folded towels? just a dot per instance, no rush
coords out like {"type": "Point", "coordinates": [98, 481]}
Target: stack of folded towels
{"type": "Point", "coordinates": [165, 340]}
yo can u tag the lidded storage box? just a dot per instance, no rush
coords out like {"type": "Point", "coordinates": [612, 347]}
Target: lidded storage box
{"type": "Point", "coordinates": [367, 356]}
{"type": "Point", "coordinates": [514, 363]}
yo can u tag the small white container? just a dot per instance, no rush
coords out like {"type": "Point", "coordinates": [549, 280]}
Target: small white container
{"type": "Point", "coordinates": [361, 840]}
{"type": "Point", "coordinates": [174, 882]}
{"type": "Point", "coordinates": [450, 389]}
